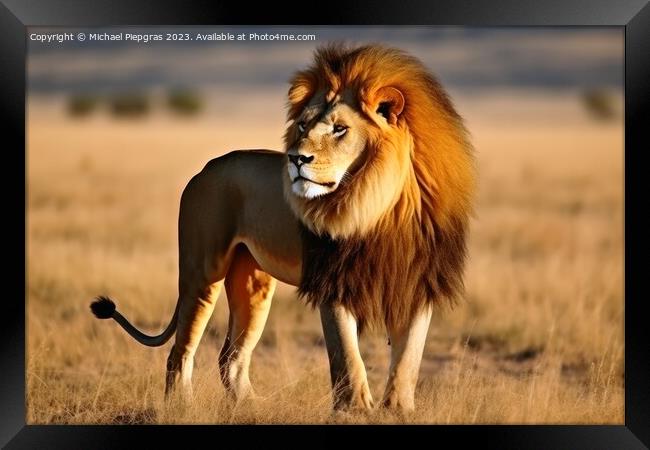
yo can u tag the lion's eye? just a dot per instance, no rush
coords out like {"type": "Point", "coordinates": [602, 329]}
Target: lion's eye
{"type": "Point", "coordinates": [301, 126]}
{"type": "Point", "coordinates": [340, 130]}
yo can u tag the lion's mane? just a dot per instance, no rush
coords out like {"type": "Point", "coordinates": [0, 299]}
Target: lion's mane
{"type": "Point", "coordinates": [392, 238]}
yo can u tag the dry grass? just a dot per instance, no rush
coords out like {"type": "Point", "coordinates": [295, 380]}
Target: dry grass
{"type": "Point", "coordinates": [539, 340]}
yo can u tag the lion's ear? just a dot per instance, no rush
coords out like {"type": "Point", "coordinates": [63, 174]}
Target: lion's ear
{"type": "Point", "coordinates": [302, 88]}
{"type": "Point", "coordinates": [389, 102]}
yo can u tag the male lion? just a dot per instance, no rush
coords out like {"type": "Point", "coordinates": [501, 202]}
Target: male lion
{"type": "Point", "coordinates": [366, 212]}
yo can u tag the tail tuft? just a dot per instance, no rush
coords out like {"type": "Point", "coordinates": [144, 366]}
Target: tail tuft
{"type": "Point", "coordinates": [103, 307]}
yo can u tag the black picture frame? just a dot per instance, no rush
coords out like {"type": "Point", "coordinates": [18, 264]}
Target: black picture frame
{"type": "Point", "coordinates": [632, 15]}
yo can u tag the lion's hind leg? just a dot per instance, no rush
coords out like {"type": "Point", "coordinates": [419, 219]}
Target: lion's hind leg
{"type": "Point", "coordinates": [195, 310]}
{"type": "Point", "coordinates": [249, 291]}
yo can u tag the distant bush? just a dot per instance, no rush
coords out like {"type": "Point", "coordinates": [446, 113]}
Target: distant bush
{"type": "Point", "coordinates": [82, 104]}
{"type": "Point", "coordinates": [184, 102]}
{"type": "Point", "coordinates": [599, 103]}
{"type": "Point", "coordinates": [131, 104]}
{"type": "Point", "coordinates": [134, 104]}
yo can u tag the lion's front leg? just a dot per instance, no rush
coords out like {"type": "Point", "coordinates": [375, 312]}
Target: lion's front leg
{"type": "Point", "coordinates": [407, 346]}
{"type": "Point", "coordinates": [349, 379]}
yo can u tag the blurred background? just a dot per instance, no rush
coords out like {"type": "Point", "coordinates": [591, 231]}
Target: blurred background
{"type": "Point", "coordinates": [130, 78]}
{"type": "Point", "coordinates": [117, 128]}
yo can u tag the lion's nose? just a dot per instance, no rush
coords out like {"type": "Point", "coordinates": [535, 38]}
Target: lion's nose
{"type": "Point", "coordinates": [299, 160]}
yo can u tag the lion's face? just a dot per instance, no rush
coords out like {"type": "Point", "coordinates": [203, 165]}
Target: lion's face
{"type": "Point", "coordinates": [347, 157]}
{"type": "Point", "coordinates": [373, 140]}
{"type": "Point", "coordinates": [329, 140]}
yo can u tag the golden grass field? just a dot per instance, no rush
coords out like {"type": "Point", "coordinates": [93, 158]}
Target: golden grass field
{"type": "Point", "coordinates": [539, 338]}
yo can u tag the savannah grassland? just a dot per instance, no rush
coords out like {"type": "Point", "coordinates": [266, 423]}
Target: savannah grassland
{"type": "Point", "coordinates": [539, 338]}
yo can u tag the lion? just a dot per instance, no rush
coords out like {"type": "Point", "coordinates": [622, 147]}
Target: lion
{"type": "Point", "coordinates": [366, 212]}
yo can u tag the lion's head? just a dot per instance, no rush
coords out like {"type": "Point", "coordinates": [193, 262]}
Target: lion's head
{"type": "Point", "coordinates": [370, 126]}
{"type": "Point", "coordinates": [378, 158]}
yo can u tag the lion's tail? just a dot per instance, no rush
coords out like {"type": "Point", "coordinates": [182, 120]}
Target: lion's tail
{"type": "Point", "coordinates": [104, 308]}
